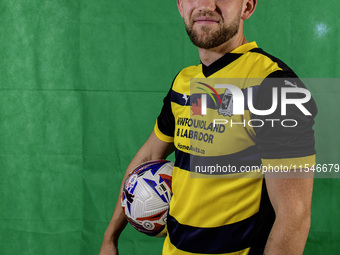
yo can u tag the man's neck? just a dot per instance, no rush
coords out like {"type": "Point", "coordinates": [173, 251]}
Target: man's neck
{"type": "Point", "coordinates": [209, 56]}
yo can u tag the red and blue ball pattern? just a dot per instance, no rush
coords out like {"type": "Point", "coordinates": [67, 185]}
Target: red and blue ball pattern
{"type": "Point", "coordinates": [146, 196]}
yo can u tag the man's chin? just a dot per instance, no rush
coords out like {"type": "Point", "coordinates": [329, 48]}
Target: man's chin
{"type": "Point", "coordinates": [204, 28]}
{"type": "Point", "coordinates": [205, 45]}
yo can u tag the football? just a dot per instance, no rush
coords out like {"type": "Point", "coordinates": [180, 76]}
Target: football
{"type": "Point", "coordinates": [146, 196]}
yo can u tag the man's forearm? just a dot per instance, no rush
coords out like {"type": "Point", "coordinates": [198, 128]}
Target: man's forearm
{"type": "Point", "coordinates": [288, 237]}
{"type": "Point", "coordinates": [116, 225]}
{"type": "Point", "coordinates": [118, 220]}
{"type": "Point", "coordinates": [152, 149]}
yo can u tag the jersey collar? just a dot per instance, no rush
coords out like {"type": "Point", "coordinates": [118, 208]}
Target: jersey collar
{"type": "Point", "coordinates": [227, 59]}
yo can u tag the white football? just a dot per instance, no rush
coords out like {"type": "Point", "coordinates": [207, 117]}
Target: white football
{"type": "Point", "coordinates": [146, 196]}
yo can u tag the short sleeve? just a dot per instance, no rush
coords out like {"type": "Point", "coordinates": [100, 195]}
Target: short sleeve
{"type": "Point", "coordinates": [165, 124]}
{"type": "Point", "coordinates": [285, 138]}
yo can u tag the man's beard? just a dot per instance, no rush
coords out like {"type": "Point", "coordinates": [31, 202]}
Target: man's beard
{"type": "Point", "coordinates": [208, 39]}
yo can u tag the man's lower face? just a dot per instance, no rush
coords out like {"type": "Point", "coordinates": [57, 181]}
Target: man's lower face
{"type": "Point", "coordinates": [211, 35]}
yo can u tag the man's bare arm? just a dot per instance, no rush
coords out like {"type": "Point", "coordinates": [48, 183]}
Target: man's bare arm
{"type": "Point", "coordinates": [291, 199]}
{"type": "Point", "coordinates": [152, 149]}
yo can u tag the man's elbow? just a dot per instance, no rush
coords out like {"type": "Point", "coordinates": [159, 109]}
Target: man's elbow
{"type": "Point", "coordinates": [298, 218]}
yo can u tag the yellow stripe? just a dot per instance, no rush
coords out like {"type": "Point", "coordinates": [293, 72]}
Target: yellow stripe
{"type": "Point", "coordinates": [170, 249]}
{"type": "Point", "coordinates": [161, 136]}
{"type": "Point", "coordinates": [245, 47]}
{"type": "Point", "coordinates": [213, 202]}
{"type": "Point", "coordinates": [249, 69]}
{"type": "Point", "coordinates": [220, 144]}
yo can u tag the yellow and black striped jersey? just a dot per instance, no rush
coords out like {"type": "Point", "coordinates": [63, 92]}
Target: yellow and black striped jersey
{"type": "Point", "coordinates": [211, 214]}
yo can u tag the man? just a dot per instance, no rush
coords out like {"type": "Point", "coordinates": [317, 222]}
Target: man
{"type": "Point", "coordinates": [230, 215]}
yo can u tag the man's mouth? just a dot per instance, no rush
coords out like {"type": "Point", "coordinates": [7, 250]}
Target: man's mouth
{"type": "Point", "coordinates": [203, 20]}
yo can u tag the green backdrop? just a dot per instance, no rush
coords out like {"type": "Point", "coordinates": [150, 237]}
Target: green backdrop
{"type": "Point", "coordinates": [81, 84]}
